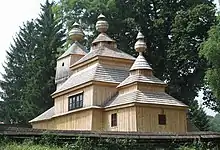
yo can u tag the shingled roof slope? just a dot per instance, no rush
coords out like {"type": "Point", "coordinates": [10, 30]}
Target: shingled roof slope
{"type": "Point", "coordinates": [103, 37]}
{"type": "Point", "coordinates": [96, 72]}
{"type": "Point", "coordinates": [159, 98]}
{"type": "Point", "coordinates": [140, 63]}
{"type": "Point", "coordinates": [104, 51]}
{"type": "Point", "coordinates": [140, 78]}
{"type": "Point", "coordinates": [75, 48]}
{"type": "Point", "coordinates": [48, 114]}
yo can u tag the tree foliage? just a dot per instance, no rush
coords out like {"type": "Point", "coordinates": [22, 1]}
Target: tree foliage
{"type": "Point", "coordinates": [215, 123]}
{"type": "Point", "coordinates": [174, 31]}
{"type": "Point", "coordinates": [210, 50]}
{"type": "Point", "coordinates": [30, 67]}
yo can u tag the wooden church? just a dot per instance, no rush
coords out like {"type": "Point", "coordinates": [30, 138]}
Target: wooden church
{"type": "Point", "coordinates": [107, 89]}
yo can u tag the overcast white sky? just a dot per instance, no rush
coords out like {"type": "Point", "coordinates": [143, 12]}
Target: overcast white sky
{"type": "Point", "coordinates": [13, 14]}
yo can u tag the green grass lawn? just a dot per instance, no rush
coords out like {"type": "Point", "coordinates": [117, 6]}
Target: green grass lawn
{"type": "Point", "coordinates": [28, 146]}
{"type": "Point", "coordinates": [15, 146]}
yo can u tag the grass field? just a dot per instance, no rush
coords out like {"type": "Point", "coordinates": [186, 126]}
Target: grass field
{"type": "Point", "coordinates": [27, 146]}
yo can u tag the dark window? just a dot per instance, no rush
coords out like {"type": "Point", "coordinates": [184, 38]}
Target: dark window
{"type": "Point", "coordinates": [75, 101]}
{"type": "Point", "coordinates": [62, 64]}
{"type": "Point", "coordinates": [162, 119]}
{"type": "Point", "coordinates": [113, 120]}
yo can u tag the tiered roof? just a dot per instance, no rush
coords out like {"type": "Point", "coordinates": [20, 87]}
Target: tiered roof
{"type": "Point", "coordinates": [102, 46]}
{"type": "Point", "coordinates": [141, 72]}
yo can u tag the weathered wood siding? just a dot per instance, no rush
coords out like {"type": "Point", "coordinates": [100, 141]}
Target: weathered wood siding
{"type": "Point", "coordinates": [97, 119]}
{"type": "Point", "coordinates": [150, 87]}
{"type": "Point", "coordinates": [60, 73]}
{"type": "Point", "coordinates": [147, 119]}
{"type": "Point", "coordinates": [133, 118]}
{"type": "Point", "coordinates": [126, 120]}
{"type": "Point", "coordinates": [102, 93]}
{"type": "Point", "coordinates": [78, 69]}
{"type": "Point", "coordinates": [116, 63]}
{"type": "Point", "coordinates": [128, 89]}
{"type": "Point", "coordinates": [81, 120]}
{"type": "Point", "coordinates": [46, 124]}
{"type": "Point", "coordinates": [75, 58]}
{"type": "Point", "coordinates": [90, 119]}
{"type": "Point", "coordinates": [61, 102]}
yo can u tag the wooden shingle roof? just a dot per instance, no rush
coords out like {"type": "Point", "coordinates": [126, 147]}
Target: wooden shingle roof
{"type": "Point", "coordinates": [140, 63]}
{"type": "Point", "coordinates": [75, 48]}
{"type": "Point", "coordinates": [159, 98]}
{"type": "Point", "coordinates": [48, 114]}
{"type": "Point", "coordinates": [96, 72]}
{"type": "Point", "coordinates": [61, 75]}
{"type": "Point", "coordinates": [140, 78]}
{"type": "Point", "coordinates": [103, 37]}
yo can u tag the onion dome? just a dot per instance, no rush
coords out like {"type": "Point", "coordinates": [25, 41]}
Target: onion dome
{"type": "Point", "coordinates": [140, 45]}
{"type": "Point", "coordinates": [101, 24]}
{"type": "Point", "coordinates": [76, 33]}
{"type": "Point", "coordinates": [103, 40]}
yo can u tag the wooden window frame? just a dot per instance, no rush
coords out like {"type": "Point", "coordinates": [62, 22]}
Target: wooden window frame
{"type": "Point", "coordinates": [162, 120]}
{"type": "Point", "coordinates": [114, 120]}
{"type": "Point", "coordinates": [75, 101]}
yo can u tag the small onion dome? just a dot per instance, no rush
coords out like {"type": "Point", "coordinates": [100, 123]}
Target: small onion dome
{"type": "Point", "coordinates": [101, 24]}
{"type": "Point", "coordinates": [140, 45]}
{"type": "Point", "coordinates": [76, 34]}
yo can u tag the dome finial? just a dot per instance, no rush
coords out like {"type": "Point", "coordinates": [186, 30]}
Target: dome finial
{"type": "Point", "coordinates": [76, 33]}
{"type": "Point", "coordinates": [140, 45]}
{"type": "Point", "coordinates": [101, 24]}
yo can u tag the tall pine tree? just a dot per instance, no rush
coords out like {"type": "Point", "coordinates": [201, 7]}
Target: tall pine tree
{"type": "Point", "coordinates": [30, 68]}
{"type": "Point", "coordinates": [18, 57]}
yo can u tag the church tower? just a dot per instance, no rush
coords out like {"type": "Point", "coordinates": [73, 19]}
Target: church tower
{"type": "Point", "coordinates": [70, 56]}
